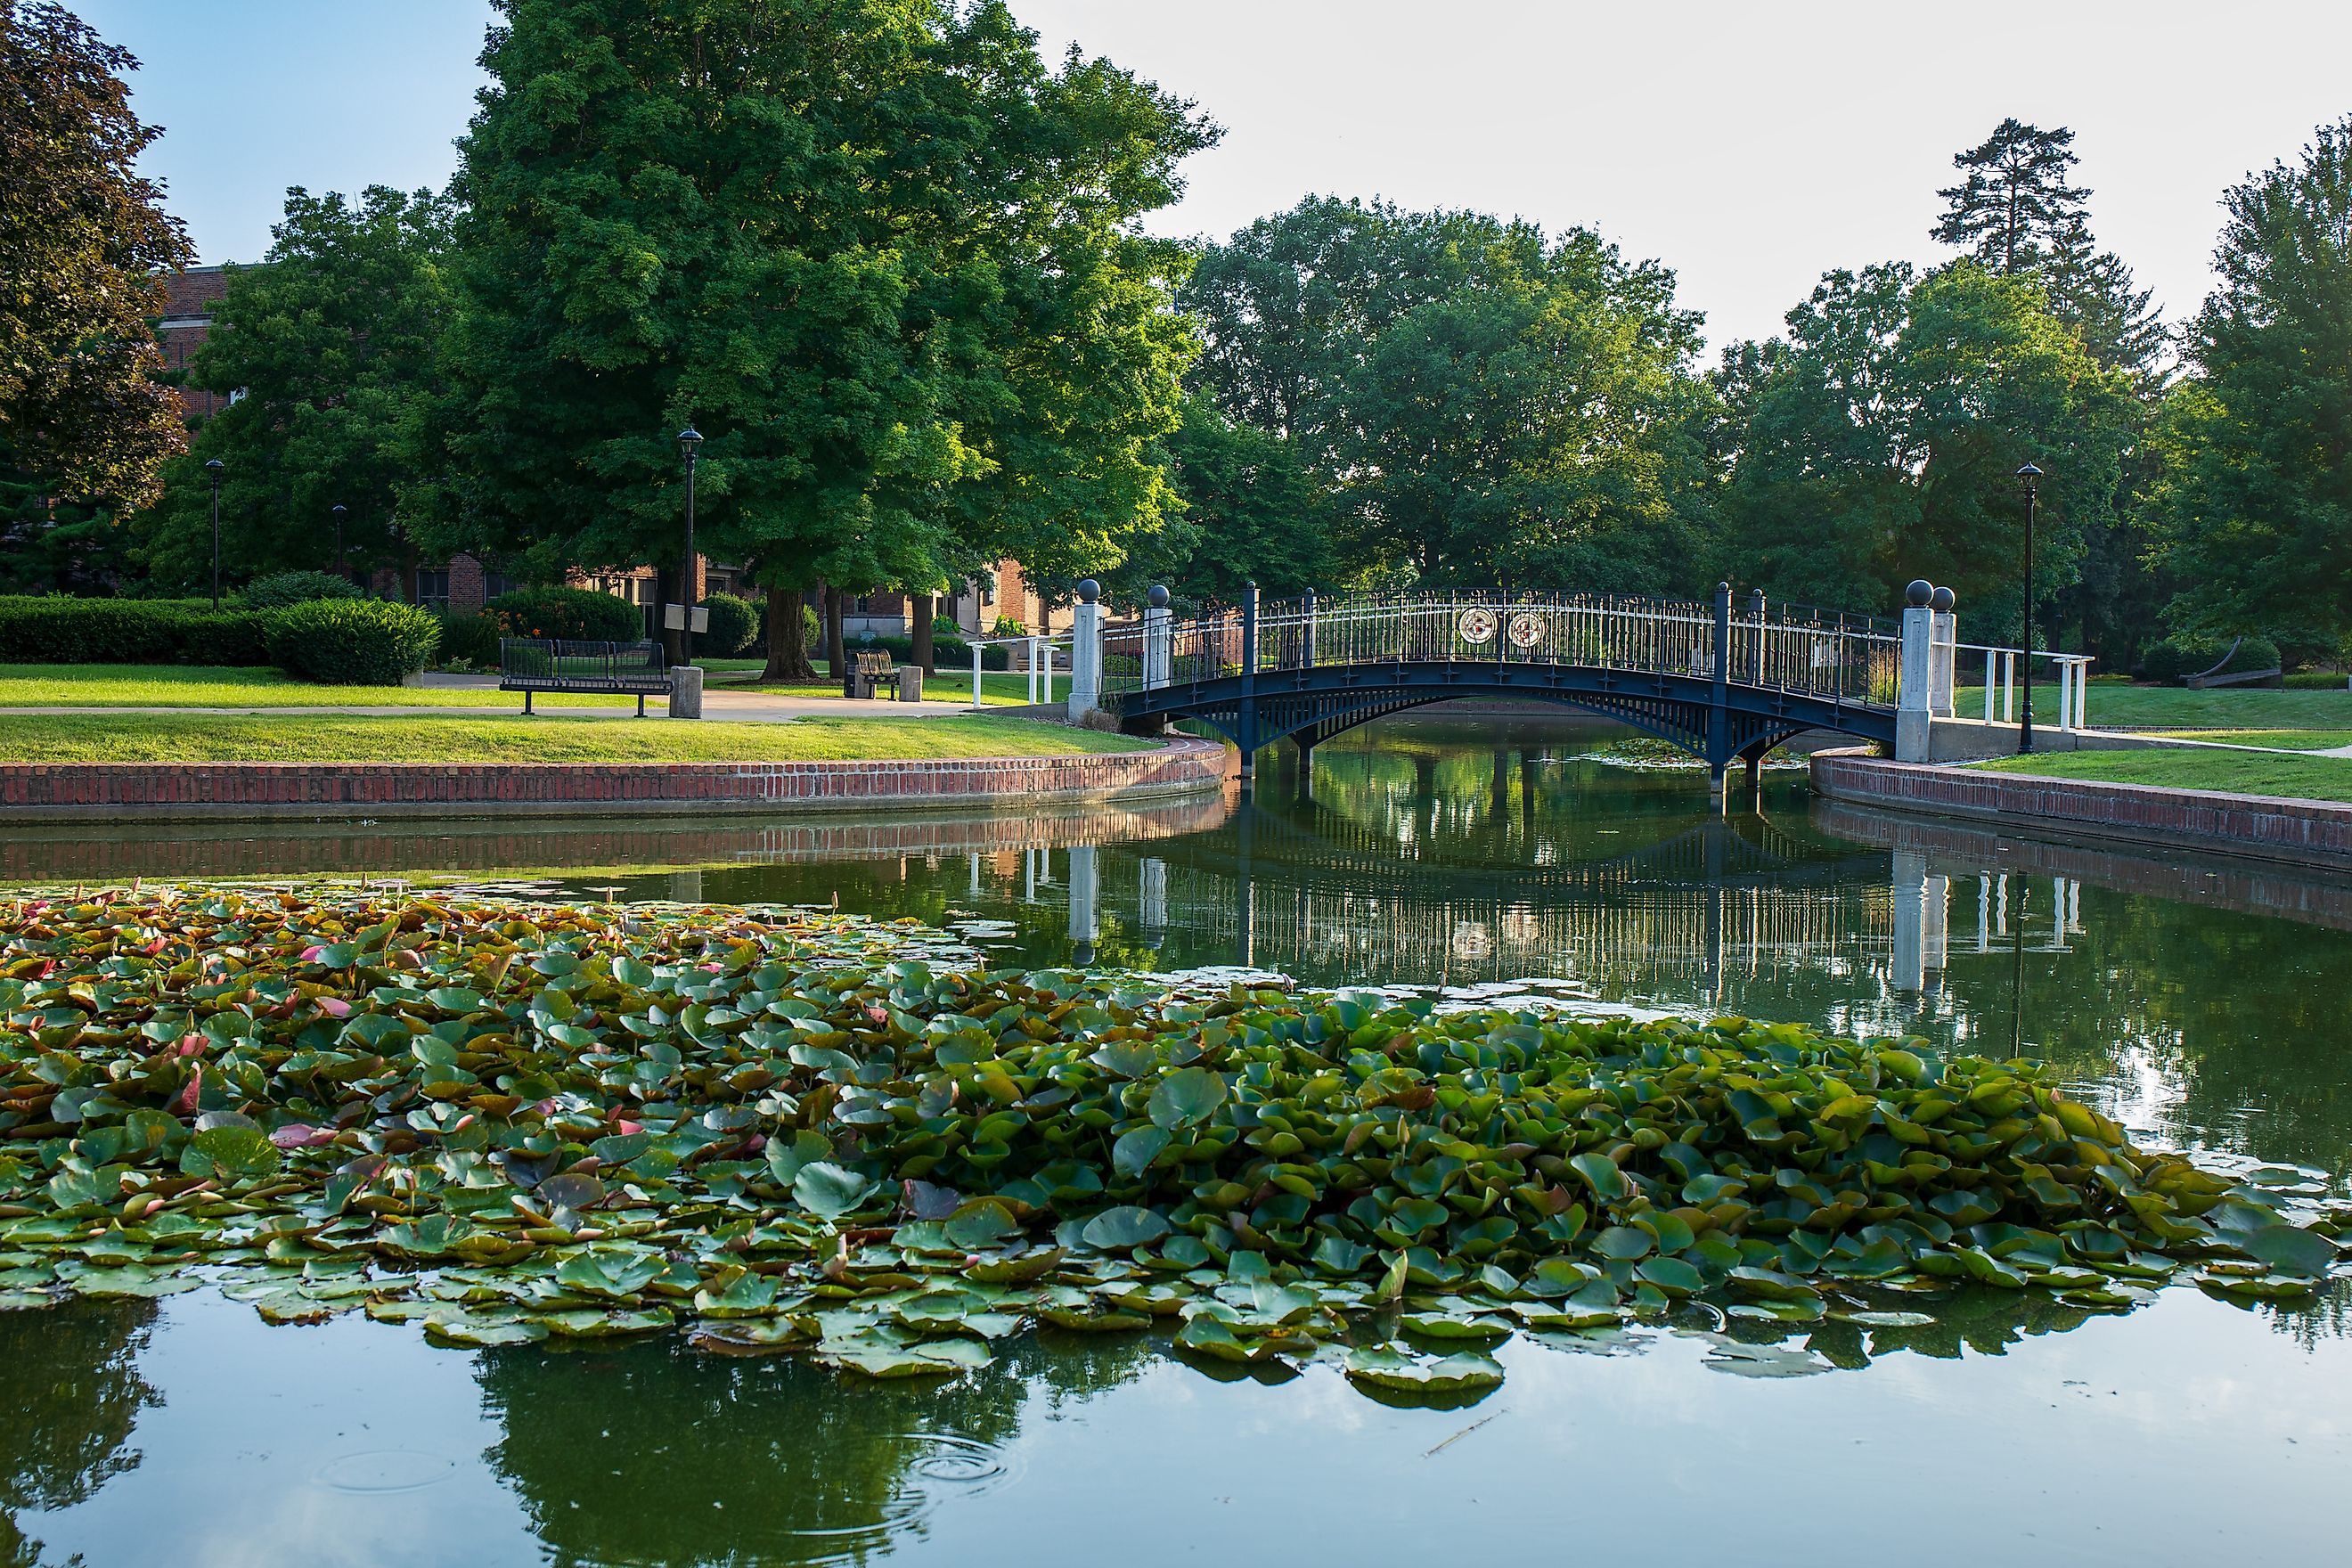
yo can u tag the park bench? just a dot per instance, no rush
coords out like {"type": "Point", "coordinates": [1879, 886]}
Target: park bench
{"type": "Point", "coordinates": [531, 665]}
{"type": "Point", "coordinates": [871, 675]}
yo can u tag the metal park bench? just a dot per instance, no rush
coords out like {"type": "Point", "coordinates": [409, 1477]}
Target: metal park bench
{"type": "Point", "coordinates": [871, 675]}
{"type": "Point", "coordinates": [531, 665]}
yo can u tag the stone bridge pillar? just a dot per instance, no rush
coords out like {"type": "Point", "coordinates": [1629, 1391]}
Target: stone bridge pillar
{"type": "Point", "coordinates": [1085, 651]}
{"type": "Point", "coordinates": [1914, 713]}
{"type": "Point", "coordinates": [1157, 639]}
{"type": "Point", "coordinates": [1947, 644]}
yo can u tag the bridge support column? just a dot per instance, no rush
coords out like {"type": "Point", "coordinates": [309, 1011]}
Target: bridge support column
{"type": "Point", "coordinates": [1085, 651]}
{"type": "Point", "coordinates": [1914, 710]}
{"type": "Point", "coordinates": [1158, 644]}
{"type": "Point", "coordinates": [1716, 789]}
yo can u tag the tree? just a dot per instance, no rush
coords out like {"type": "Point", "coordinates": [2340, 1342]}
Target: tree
{"type": "Point", "coordinates": [85, 421]}
{"type": "Point", "coordinates": [1255, 512]}
{"type": "Point", "coordinates": [2256, 510]}
{"type": "Point", "coordinates": [1469, 399]}
{"type": "Point", "coordinates": [1878, 442]}
{"type": "Point", "coordinates": [2014, 201]}
{"type": "Point", "coordinates": [872, 249]}
{"type": "Point", "coordinates": [330, 343]}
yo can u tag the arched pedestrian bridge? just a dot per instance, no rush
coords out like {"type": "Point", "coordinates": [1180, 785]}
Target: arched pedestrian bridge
{"type": "Point", "coordinates": [1722, 685]}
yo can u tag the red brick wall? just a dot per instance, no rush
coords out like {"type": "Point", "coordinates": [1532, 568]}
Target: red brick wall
{"type": "Point", "coordinates": [2307, 832]}
{"type": "Point", "coordinates": [113, 790]}
{"type": "Point", "coordinates": [190, 299]}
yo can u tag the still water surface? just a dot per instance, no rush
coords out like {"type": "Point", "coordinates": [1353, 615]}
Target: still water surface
{"type": "Point", "coordinates": [2202, 1003]}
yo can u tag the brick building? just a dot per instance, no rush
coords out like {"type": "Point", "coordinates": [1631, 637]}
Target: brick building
{"type": "Point", "coordinates": [190, 299]}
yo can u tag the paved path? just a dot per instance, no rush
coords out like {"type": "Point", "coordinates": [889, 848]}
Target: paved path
{"type": "Point", "coordinates": [752, 707]}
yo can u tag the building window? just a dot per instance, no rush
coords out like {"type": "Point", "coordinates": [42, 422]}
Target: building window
{"type": "Point", "coordinates": [432, 590]}
{"type": "Point", "coordinates": [495, 582]}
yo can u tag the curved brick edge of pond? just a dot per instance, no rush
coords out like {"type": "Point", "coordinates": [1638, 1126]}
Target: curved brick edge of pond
{"type": "Point", "coordinates": [2268, 827]}
{"type": "Point", "coordinates": [159, 791]}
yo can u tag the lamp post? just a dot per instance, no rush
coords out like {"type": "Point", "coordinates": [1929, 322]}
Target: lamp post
{"type": "Point", "coordinates": [212, 472]}
{"type": "Point", "coordinates": [343, 562]}
{"type": "Point", "coordinates": [2028, 476]}
{"type": "Point", "coordinates": [689, 441]}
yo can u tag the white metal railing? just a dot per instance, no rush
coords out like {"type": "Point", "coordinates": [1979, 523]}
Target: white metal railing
{"type": "Point", "coordinates": [1036, 658]}
{"type": "Point", "coordinates": [1997, 671]}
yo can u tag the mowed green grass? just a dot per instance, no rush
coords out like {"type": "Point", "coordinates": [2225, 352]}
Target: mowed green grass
{"type": "Point", "coordinates": [2280, 740]}
{"type": "Point", "coordinates": [211, 685]}
{"type": "Point", "coordinates": [431, 738]}
{"type": "Point", "coordinates": [2236, 773]}
{"type": "Point", "coordinates": [998, 688]}
{"type": "Point", "coordinates": [2117, 706]}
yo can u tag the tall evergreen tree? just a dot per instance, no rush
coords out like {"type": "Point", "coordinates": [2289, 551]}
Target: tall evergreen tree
{"type": "Point", "coordinates": [2015, 199]}
{"type": "Point", "coordinates": [331, 341]}
{"type": "Point", "coordinates": [85, 421]}
{"type": "Point", "coordinates": [2257, 508]}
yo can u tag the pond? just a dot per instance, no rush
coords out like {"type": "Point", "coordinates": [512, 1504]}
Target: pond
{"type": "Point", "coordinates": [2200, 1002]}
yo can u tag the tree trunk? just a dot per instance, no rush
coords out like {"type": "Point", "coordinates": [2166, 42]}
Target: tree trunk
{"type": "Point", "coordinates": [835, 656]}
{"type": "Point", "coordinates": [788, 654]}
{"type": "Point", "coordinates": [919, 622]}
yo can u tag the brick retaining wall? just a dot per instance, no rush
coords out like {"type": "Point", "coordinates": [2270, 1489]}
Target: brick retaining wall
{"type": "Point", "coordinates": [148, 791]}
{"type": "Point", "coordinates": [2301, 832]}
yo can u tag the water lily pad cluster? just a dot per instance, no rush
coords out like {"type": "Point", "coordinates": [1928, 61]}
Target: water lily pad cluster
{"type": "Point", "coordinates": [788, 1131]}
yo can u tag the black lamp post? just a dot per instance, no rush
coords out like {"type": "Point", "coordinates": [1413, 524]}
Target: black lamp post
{"type": "Point", "coordinates": [2028, 475]}
{"type": "Point", "coordinates": [212, 472]}
{"type": "Point", "coordinates": [343, 562]}
{"type": "Point", "coordinates": [689, 441]}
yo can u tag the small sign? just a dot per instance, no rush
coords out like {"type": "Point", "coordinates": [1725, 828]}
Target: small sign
{"type": "Point", "coordinates": [674, 618]}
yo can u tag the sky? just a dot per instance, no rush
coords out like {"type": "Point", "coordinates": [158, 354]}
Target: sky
{"type": "Point", "coordinates": [1750, 146]}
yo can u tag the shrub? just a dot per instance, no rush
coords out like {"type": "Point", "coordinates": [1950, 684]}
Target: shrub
{"type": "Point", "coordinates": [351, 642]}
{"type": "Point", "coordinates": [283, 588]}
{"type": "Point", "coordinates": [472, 639]}
{"type": "Point", "coordinates": [577, 615]}
{"type": "Point", "coordinates": [126, 631]}
{"type": "Point", "coordinates": [731, 625]}
{"type": "Point", "coordinates": [2318, 680]}
{"type": "Point", "coordinates": [2175, 659]}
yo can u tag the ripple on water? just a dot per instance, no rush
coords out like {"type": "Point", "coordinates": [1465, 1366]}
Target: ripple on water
{"type": "Point", "coordinates": [943, 1467]}
{"type": "Point", "coordinates": [380, 1471]}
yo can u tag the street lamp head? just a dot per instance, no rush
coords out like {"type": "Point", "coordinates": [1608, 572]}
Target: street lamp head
{"type": "Point", "coordinates": [339, 511]}
{"type": "Point", "coordinates": [214, 466]}
{"type": "Point", "coordinates": [688, 440]}
{"type": "Point", "coordinates": [2028, 473]}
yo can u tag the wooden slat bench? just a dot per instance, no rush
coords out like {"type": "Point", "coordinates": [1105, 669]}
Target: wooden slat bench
{"type": "Point", "coordinates": [531, 665]}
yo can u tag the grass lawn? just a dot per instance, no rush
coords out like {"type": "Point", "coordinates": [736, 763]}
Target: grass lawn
{"type": "Point", "coordinates": [998, 687]}
{"type": "Point", "coordinates": [2282, 740]}
{"type": "Point", "coordinates": [206, 686]}
{"type": "Point", "coordinates": [2239, 772]}
{"type": "Point", "coordinates": [433, 738]}
{"type": "Point", "coordinates": [2117, 706]}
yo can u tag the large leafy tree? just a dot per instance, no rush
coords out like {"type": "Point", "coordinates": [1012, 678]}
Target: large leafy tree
{"type": "Point", "coordinates": [872, 249]}
{"type": "Point", "coordinates": [331, 343]}
{"type": "Point", "coordinates": [1878, 441]}
{"type": "Point", "coordinates": [85, 423]}
{"type": "Point", "coordinates": [2257, 508]}
{"type": "Point", "coordinates": [1253, 510]}
{"type": "Point", "coordinates": [1469, 399]}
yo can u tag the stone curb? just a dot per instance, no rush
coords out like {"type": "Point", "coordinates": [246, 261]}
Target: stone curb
{"type": "Point", "coordinates": [164, 792]}
{"type": "Point", "coordinates": [2268, 827]}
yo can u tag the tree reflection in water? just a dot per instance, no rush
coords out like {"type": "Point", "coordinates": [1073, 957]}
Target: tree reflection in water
{"type": "Point", "coordinates": [657, 1453]}
{"type": "Point", "coordinates": [75, 1394]}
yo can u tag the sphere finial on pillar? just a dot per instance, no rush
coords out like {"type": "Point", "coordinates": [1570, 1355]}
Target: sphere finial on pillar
{"type": "Point", "coordinates": [1943, 601]}
{"type": "Point", "coordinates": [1090, 590]}
{"type": "Point", "coordinates": [1919, 593]}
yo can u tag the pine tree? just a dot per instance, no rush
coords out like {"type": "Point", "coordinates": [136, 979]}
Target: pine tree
{"type": "Point", "coordinates": [2014, 201]}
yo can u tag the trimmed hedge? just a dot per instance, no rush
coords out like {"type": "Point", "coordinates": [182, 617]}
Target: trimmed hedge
{"type": "Point", "coordinates": [127, 631]}
{"type": "Point", "coordinates": [733, 623]}
{"type": "Point", "coordinates": [283, 588]}
{"type": "Point", "coordinates": [2318, 680]}
{"type": "Point", "coordinates": [577, 615]}
{"type": "Point", "coordinates": [472, 639]}
{"type": "Point", "coordinates": [2175, 659]}
{"type": "Point", "coordinates": [352, 642]}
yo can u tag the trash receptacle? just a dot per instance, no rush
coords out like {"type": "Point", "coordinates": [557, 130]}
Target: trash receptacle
{"type": "Point", "coordinates": [685, 691]}
{"type": "Point", "coordinates": [910, 683]}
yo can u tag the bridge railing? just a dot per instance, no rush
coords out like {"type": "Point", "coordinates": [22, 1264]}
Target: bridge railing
{"type": "Point", "coordinates": [1845, 658]}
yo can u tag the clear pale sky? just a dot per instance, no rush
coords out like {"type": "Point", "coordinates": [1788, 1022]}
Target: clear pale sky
{"type": "Point", "coordinates": [1750, 146]}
